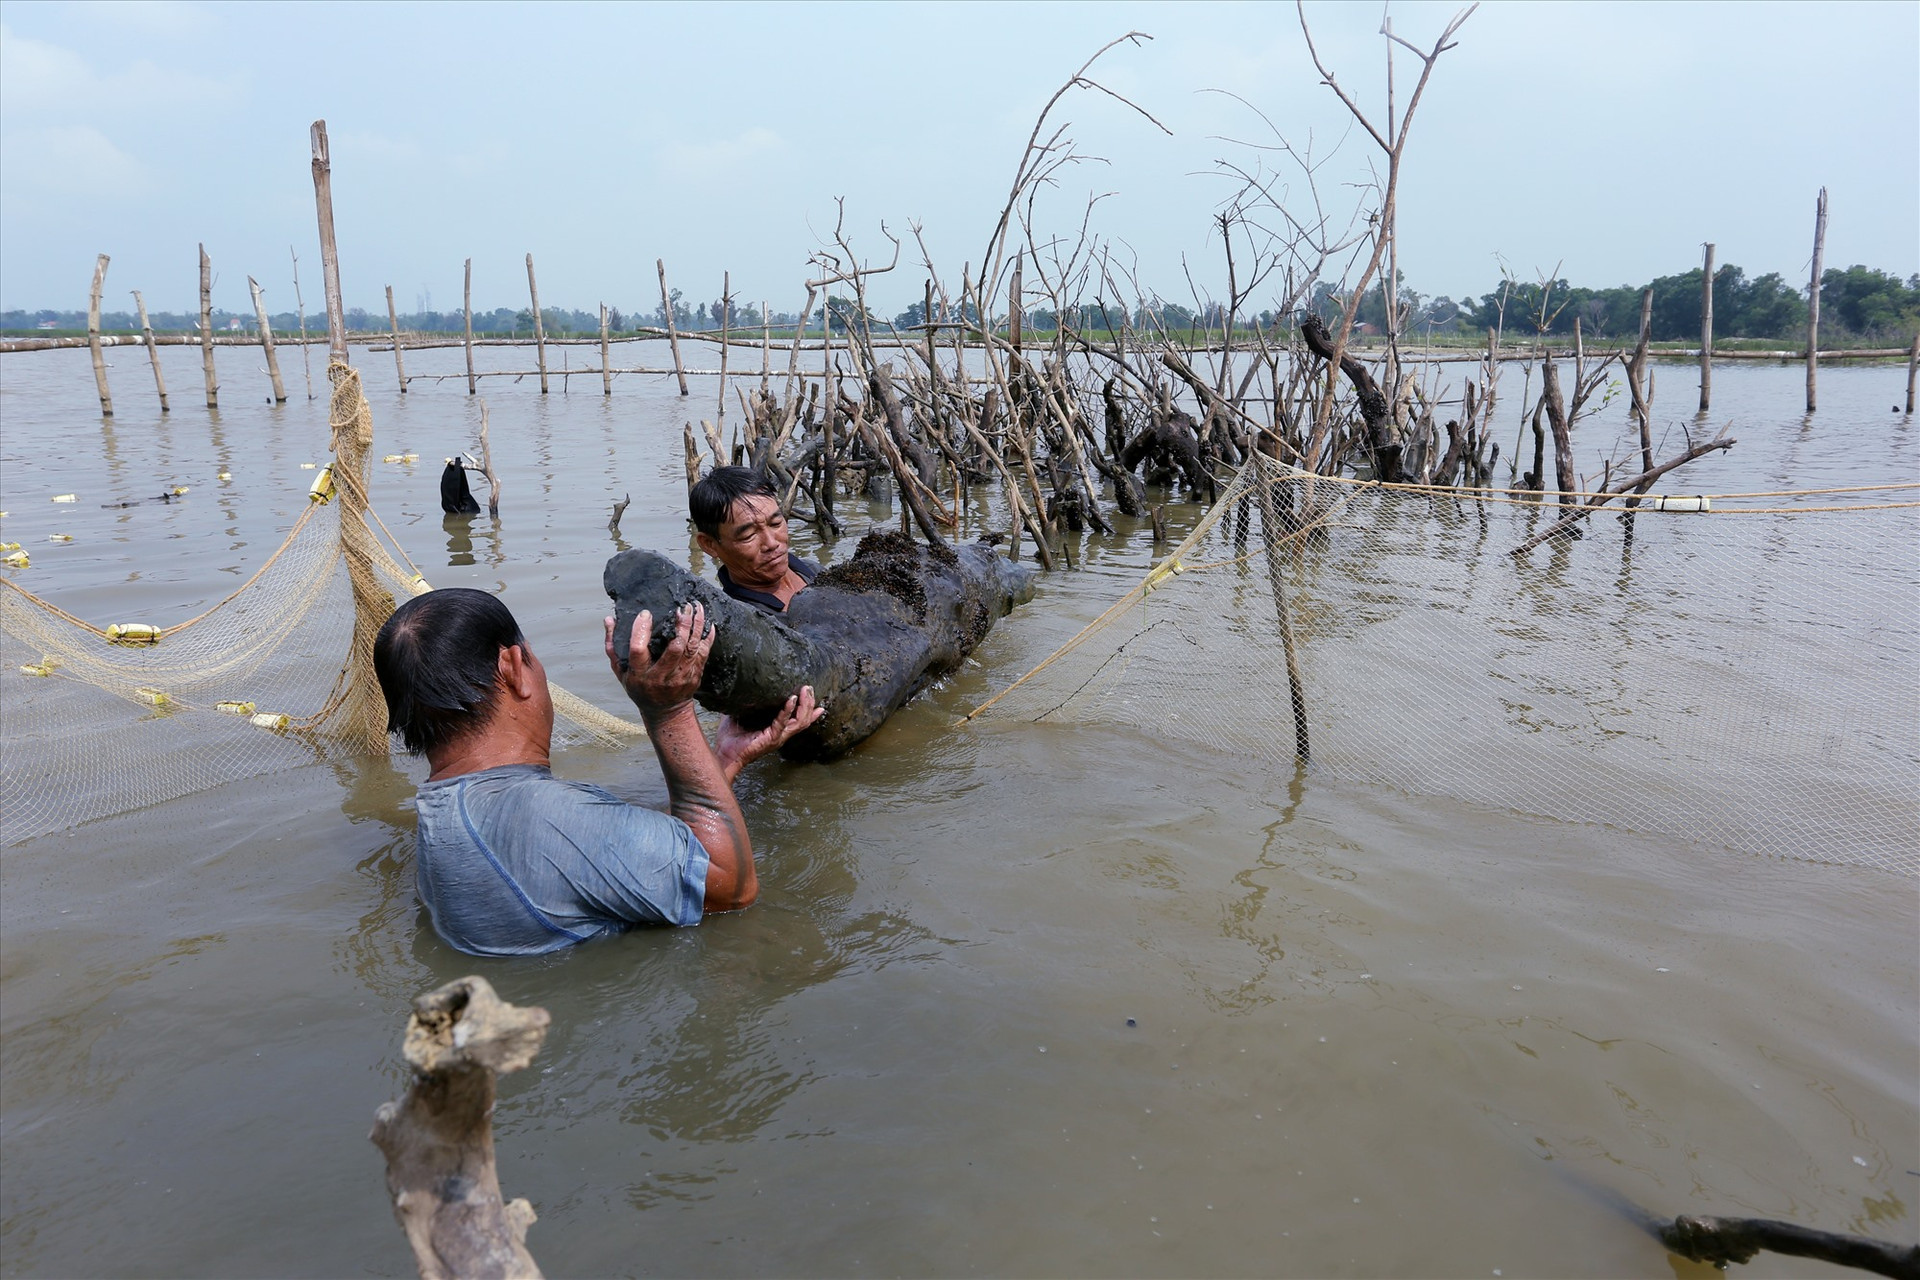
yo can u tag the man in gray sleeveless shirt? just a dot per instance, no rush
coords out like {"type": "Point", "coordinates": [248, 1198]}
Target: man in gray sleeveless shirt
{"type": "Point", "coordinates": [511, 860]}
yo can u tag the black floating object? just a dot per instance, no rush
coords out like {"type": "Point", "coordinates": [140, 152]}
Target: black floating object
{"type": "Point", "coordinates": [1132, 1023]}
{"type": "Point", "coordinates": [455, 498]}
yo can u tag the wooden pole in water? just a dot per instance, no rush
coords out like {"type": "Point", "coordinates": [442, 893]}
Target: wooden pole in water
{"type": "Point", "coordinates": [1013, 307]}
{"type": "Point", "coordinates": [1271, 532]}
{"type": "Point", "coordinates": [766, 348]}
{"type": "Point", "coordinates": [466, 309]}
{"type": "Point", "coordinates": [300, 305]}
{"type": "Point", "coordinates": [266, 341]}
{"type": "Point", "coordinates": [393, 319]}
{"type": "Point", "coordinates": [1813, 298]}
{"type": "Point", "coordinates": [673, 334]}
{"type": "Point", "coordinates": [1706, 333]}
{"type": "Point", "coordinates": [329, 250]}
{"type": "Point", "coordinates": [606, 366]}
{"type": "Point", "coordinates": [160, 381]}
{"type": "Point", "coordinates": [539, 329]}
{"type": "Point", "coordinates": [206, 328]}
{"type": "Point", "coordinates": [1913, 368]}
{"type": "Point", "coordinates": [726, 307]}
{"type": "Point", "coordinates": [93, 335]}
{"type": "Point", "coordinates": [486, 466]}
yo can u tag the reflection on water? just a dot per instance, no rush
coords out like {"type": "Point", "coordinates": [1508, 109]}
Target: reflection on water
{"type": "Point", "coordinates": [1018, 998]}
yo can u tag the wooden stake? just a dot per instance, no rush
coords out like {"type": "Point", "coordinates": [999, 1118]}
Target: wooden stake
{"type": "Point", "coordinates": [606, 370]}
{"type": "Point", "coordinates": [539, 328]}
{"type": "Point", "coordinates": [486, 466]}
{"type": "Point", "coordinates": [160, 381]}
{"type": "Point", "coordinates": [1706, 333]}
{"type": "Point", "coordinates": [399, 364]}
{"type": "Point", "coordinates": [766, 348]}
{"type": "Point", "coordinates": [1013, 308]}
{"type": "Point", "coordinates": [93, 336]}
{"type": "Point", "coordinates": [438, 1140]}
{"type": "Point", "coordinates": [726, 311]}
{"type": "Point", "coordinates": [673, 334]}
{"type": "Point", "coordinates": [1813, 298]}
{"type": "Point", "coordinates": [306, 357]}
{"type": "Point", "coordinates": [266, 341]}
{"type": "Point", "coordinates": [1913, 367]}
{"type": "Point", "coordinates": [466, 309]}
{"type": "Point", "coordinates": [329, 249]}
{"type": "Point", "coordinates": [1271, 533]}
{"type": "Point", "coordinates": [206, 327]}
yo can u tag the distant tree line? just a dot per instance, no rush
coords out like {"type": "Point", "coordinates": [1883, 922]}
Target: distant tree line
{"type": "Point", "coordinates": [1857, 303]}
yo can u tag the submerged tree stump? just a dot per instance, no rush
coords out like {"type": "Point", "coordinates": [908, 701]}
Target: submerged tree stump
{"type": "Point", "coordinates": [438, 1139]}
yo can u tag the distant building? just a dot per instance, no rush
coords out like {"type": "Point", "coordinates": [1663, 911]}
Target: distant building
{"type": "Point", "coordinates": [233, 325]}
{"type": "Point", "coordinates": [49, 324]}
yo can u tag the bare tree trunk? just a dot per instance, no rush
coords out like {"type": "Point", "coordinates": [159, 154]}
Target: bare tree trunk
{"type": "Point", "coordinates": [300, 307]}
{"type": "Point", "coordinates": [673, 334]}
{"type": "Point", "coordinates": [693, 456]}
{"type": "Point", "coordinates": [726, 306]}
{"type": "Point", "coordinates": [1706, 334]}
{"type": "Point", "coordinates": [266, 341]}
{"type": "Point", "coordinates": [93, 336]}
{"type": "Point", "coordinates": [399, 365]}
{"type": "Point", "coordinates": [486, 466]}
{"type": "Point", "coordinates": [1813, 299]}
{"type": "Point", "coordinates": [1563, 478]}
{"type": "Point", "coordinates": [160, 381]}
{"type": "Point", "coordinates": [206, 326]}
{"type": "Point", "coordinates": [539, 328]}
{"type": "Point", "coordinates": [466, 309]}
{"type": "Point", "coordinates": [329, 249]}
{"type": "Point", "coordinates": [606, 367]}
{"type": "Point", "coordinates": [438, 1140]}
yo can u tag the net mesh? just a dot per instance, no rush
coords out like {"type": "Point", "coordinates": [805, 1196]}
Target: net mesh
{"type": "Point", "coordinates": [1746, 676]}
{"type": "Point", "coordinates": [96, 720]}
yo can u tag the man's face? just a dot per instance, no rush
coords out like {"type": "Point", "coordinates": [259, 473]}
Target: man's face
{"type": "Point", "coordinates": [752, 542]}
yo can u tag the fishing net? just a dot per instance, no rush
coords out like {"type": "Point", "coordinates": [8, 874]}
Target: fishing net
{"type": "Point", "coordinates": [96, 720]}
{"type": "Point", "coordinates": [1734, 669]}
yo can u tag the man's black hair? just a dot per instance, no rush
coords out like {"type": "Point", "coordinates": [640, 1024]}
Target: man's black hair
{"type": "Point", "coordinates": [438, 659]}
{"type": "Point", "coordinates": [711, 501]}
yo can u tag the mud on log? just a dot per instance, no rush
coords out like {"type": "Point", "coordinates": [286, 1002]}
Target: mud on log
{"type": "Point", "coordinates": [867, 635]}
{"type": "Point", "coordinates": [438, 1140]}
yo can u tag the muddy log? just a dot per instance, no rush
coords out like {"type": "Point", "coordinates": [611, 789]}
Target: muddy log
{"type": "Point", "coordinates": [1374, 409]}
{"type": "Point", "coordinates": [1719, 1241]}
{"type": "Point", "coordinates": [867, 635]}
{"type": "Point", "coordinates": [438, 1140]}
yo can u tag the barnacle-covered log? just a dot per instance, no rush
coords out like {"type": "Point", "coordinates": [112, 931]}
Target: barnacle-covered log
{"type": "Point", "coordinates": [867, 635]}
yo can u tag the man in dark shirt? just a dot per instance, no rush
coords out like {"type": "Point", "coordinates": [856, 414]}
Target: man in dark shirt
{"type": "Point", "coordinates": [738, 521]}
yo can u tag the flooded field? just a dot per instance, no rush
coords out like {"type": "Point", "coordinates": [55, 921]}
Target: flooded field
{"type": "Point", "coordinates": [1018, 998]}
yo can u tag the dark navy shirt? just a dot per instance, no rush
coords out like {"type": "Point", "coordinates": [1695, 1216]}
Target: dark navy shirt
{"type": "Point", "coordinates": [761, 600]}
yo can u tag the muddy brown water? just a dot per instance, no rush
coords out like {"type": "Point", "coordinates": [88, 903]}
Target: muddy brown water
{"type": "Point", "coordinates": [1018, 999]}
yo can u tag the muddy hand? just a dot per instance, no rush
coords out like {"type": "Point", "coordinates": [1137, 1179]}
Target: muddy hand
{"type": "Point", "coordinates": [658, 685]}
{"type": "Point", "coordinates": [736, 746]}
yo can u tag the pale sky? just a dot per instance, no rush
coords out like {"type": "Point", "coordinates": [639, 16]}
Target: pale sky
{"type": "Point", "coordinates": [1607, 139]}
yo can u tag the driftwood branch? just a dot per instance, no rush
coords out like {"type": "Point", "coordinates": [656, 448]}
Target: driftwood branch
{"type": "Point", "coordinates": [1593, 504]}
{"type": "Point", "coordinates": [438, 1140]}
